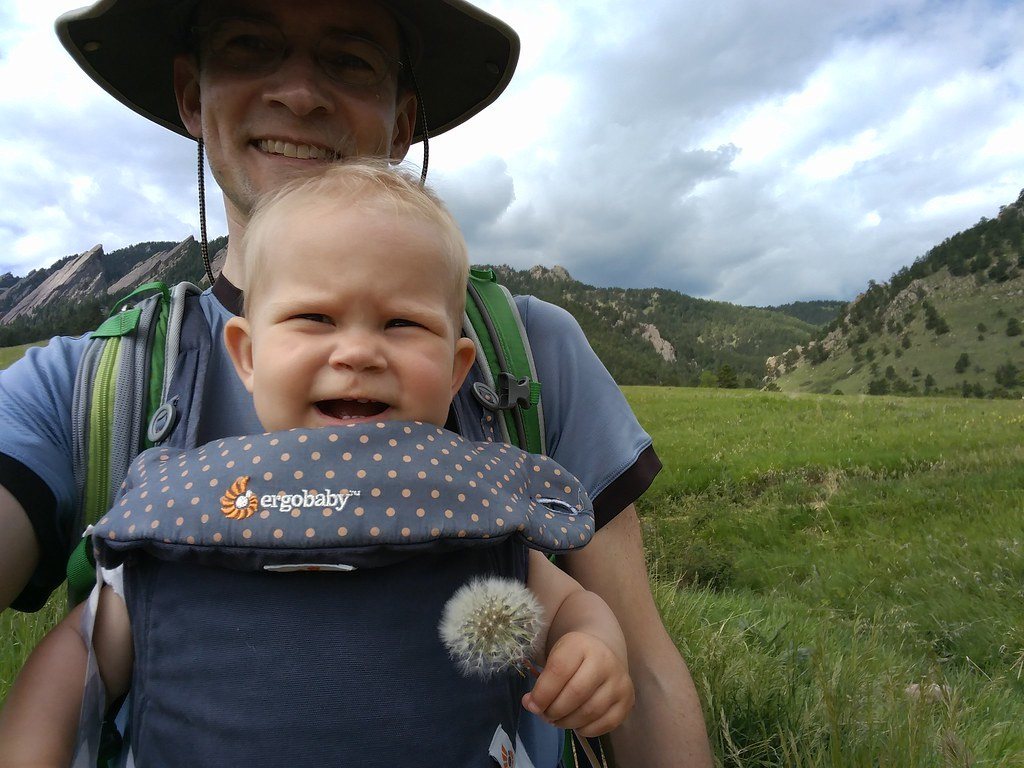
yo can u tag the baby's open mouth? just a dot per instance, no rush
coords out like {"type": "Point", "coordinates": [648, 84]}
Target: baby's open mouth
{"type": "Point", "coordinates": [359, 408]}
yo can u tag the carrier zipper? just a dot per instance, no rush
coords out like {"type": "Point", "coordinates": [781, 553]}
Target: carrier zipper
{"type": "Point", "coordinates": [100, 418]}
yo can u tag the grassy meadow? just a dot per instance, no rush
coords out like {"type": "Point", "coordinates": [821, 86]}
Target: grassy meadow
{"type": "Point", "coordinates": [9, 355]}
{"type": "Point", "coordinates": [844, 575]}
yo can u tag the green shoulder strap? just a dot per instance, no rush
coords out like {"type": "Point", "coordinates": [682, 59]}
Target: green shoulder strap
{"type": "Point", "coordinates": [117, 388]}
{"type": "Point", "coordinates": [511, 384]}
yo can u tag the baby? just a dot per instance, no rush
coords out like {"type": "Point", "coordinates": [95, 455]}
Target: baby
{"type": "Point", "coordinates": [352, 317]}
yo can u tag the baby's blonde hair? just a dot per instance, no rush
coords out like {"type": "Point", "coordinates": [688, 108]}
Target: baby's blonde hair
{"type": "Point", "coordinates": [364, 183]}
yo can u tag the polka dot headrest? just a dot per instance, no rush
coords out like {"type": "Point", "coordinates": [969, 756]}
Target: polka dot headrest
{"type": "Point", "coordinates": [364, 494]}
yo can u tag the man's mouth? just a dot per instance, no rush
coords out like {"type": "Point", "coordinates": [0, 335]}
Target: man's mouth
{"type": "Point", "coordinates": [298, 151]}
{"type": "Point", "coordinates": [345, 410]}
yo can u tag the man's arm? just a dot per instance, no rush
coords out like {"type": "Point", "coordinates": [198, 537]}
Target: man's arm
{"type": "Point", "coordinates": [666, 727]}
{"type": "Point", "coordinates": [19, 550]}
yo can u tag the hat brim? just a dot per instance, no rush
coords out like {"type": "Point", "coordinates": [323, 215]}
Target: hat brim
{"type": "Point", "coordinates": [465, 57]}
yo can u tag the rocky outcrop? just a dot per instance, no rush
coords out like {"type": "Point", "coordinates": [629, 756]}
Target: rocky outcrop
{"type": "Point", "coordinates": [555, 274]}
{"type": "Point", "coordinates": [80, 278]}
{"type": "Point", "coordinates": [661, 346]}
{"type": "Point", "coordinates": [156, 264]}
{"type": "Point", "coordinates": [87, 276]}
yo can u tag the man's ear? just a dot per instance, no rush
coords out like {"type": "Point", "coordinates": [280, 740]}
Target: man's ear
{"type": "Point", "coordinates": [186, 91]}
{"type": "Point", "coordinates": [405, 124]}
{"type": "Point", "coordinates": [238, 341]}
{"type": "Point", "coordinates": [465, 354]}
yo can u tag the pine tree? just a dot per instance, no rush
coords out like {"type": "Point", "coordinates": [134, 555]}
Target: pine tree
{"type": "Point", "coordinates": [727, 377]}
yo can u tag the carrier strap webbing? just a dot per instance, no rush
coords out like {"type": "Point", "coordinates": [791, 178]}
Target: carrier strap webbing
{"type": "Point", "coordinates": [119, 384]}
{"type": "Point", "coordinates": [497, 329]}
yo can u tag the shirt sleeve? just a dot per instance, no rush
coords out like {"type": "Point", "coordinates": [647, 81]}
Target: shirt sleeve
{"type": "Point", "coordinates": [36, 455]}
{"type": "Point", "coordinates": [589, 426]}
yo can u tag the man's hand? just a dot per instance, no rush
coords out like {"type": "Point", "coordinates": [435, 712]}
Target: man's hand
{"type": "Point", "coordinates": [584, 686]}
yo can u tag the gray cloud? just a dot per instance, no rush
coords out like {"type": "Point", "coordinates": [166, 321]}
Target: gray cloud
{"type": "Point", "coordinates": [744, 151]}
{"type": "Point", "coordinates": [869, 112]}
{"type": "Point", "coordinates": [478, 197]}
{"type": "Point", "coordinates": [111, 177]}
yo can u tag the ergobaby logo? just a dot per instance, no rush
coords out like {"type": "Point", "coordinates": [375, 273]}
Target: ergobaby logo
{"type": "Point", "coordinates": [239, 502]}
{"type": "Point", "coordinates": [325, 499]}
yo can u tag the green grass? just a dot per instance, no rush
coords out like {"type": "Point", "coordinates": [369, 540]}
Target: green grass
{"type": "Point", "coordinates": [9, 355]}
{"type": "Point", "coordinates": [815, 556]}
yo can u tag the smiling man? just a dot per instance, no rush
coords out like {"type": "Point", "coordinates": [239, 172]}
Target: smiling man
{"type": "Point", "coordinates": [274, 92]}
{"type": "Point", "coordinates": [275, 88]}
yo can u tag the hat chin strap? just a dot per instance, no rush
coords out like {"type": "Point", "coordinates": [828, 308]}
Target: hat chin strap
{"type": "Point", "coordinates": [421, 110]}
{"type": "Point", "coordinates": [204, 246]}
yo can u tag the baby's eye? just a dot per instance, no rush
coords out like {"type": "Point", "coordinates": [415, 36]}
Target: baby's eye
{"type": "Point", "coordinates": [401, 322]}
{"type": "Point", "coordinates": [313, 317]}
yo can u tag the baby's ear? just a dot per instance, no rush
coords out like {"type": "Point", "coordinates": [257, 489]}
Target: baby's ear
{"type": "Point", "coordinates": [465, 354]}
{"type": "Point", "coordinates": [239, 346]}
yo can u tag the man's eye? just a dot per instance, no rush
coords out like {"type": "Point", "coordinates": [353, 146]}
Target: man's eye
{"type": "Point", "coordinates": [347, 61]}
{"type": "Point", "coordinates": [353, 60]}
{"type": "Point", "coordinates": [244, 44]}
{"type": "Point", "coordinates": [250, 43]}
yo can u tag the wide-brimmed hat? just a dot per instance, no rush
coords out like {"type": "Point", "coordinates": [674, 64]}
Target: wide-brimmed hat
{"type": "Point", "coordinates": [463, 57]}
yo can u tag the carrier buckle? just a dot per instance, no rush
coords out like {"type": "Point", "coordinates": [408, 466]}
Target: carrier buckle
{"type": "Point", "coordinates": [511, 392]}
{"type": "Point", "coordinates": [165, 418]}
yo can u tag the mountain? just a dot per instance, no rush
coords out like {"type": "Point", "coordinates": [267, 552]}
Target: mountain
{"type": "Point", "coordinates": [948, 324]}
{"type": "Point", "coordinates": [644, 336]}
{"type": "Point", "coordinates": [656, 336]}
{"type": "Point", "coordinates": [74, 294]}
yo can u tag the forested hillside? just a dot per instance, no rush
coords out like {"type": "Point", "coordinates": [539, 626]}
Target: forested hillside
{"type": "Point", "coordinates": [948, 324]}
{"type": "Point", "coordinates": [813, 312]}
{"type": "Point", "coordinates": [654, 336]}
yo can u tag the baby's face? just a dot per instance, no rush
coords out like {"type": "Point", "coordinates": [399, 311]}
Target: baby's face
{"type": "Point", "coordinates": [351, 320]}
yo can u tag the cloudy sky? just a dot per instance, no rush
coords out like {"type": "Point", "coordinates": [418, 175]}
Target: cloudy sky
{"type": "Point", "coordinates": [751, 151]}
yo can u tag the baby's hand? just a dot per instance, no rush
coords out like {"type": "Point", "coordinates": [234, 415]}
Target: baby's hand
{"type": "Point", "coordinates": [584, 686]}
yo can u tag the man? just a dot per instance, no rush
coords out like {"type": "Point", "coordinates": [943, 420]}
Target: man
{"type": "Point", "coordinates": [278, 87]}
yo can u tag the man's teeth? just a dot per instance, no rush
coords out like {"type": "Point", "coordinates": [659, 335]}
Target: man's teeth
{"type": "Point", "coordinates": [300, 151]}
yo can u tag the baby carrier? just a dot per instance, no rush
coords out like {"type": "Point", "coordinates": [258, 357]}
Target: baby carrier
{"type": "Point", "coordinates": [285, 592]}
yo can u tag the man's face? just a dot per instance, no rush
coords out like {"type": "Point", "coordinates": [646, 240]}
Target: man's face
{"type": "Point", "coordinates": [354, 324]}
{"type": "Point", "coordinates": [264, 125]}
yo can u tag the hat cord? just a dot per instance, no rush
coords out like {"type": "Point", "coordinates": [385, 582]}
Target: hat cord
{"type": "Point", "coordinates": [421, 112]}
{"type": "Point", "coordinates": [204, 246]}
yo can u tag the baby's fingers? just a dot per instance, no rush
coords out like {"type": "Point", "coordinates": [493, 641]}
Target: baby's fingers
{"type": "Point", "coordinates": [603, 712]}
{"type": "Point", "coordinates": [563, 665]}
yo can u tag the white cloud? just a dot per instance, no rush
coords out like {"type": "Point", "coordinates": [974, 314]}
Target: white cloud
{"type": "Point", "coordinates": [751, 152]}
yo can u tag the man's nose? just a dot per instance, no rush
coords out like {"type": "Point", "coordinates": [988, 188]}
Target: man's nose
{"type": "Point", "coordinates": [358, 350]}
{"type": "Point", "coordinates": [300, 84]}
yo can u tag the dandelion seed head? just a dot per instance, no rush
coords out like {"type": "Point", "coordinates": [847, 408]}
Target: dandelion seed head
{"type": "Point", "coordinates": [490, 625]}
